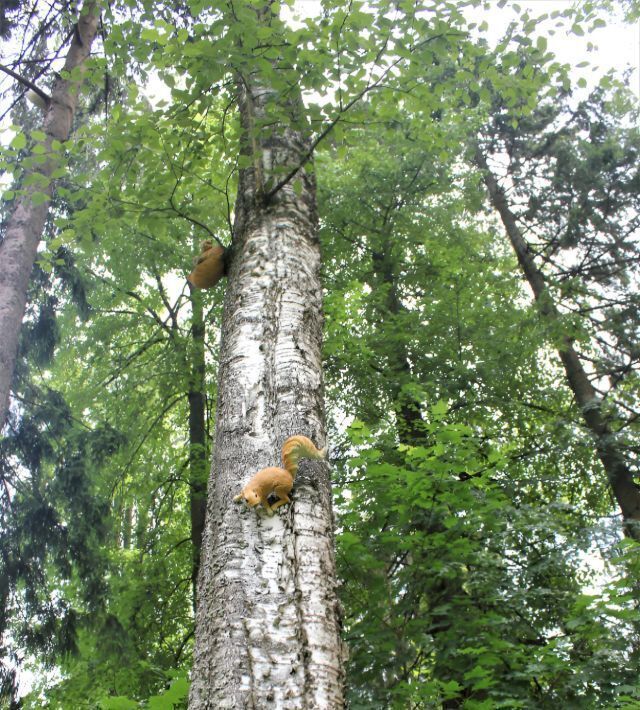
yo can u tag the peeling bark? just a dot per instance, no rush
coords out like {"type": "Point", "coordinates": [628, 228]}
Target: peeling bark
{"type": "Point", "coordinates": [25, 225]}
{"type": "Point", "coordinates": [620, 477]}
{"type": "Point", "coordinates": [267, 622]}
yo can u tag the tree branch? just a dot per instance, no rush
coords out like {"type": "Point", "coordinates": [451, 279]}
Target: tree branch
{"type": "Point", "coordinates": [26, 82]}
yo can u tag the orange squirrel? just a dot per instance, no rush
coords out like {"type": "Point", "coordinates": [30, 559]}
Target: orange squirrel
{"type": "Point", "coordinates": [209, 266]}
{"type": "Point", "coordinates": [276, 480]}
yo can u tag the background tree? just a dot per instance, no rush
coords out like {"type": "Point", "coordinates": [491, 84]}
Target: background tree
{"type": "Point", "coordinates": [23, 230]}
{"type": "Point", "coordinates": [129, 361]}
{"type": "Point", "coordinates": [429, 529]}
{"type": "Point", "coordinates": [575, 182]}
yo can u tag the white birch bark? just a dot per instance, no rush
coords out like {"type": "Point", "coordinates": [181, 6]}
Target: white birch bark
{"type": "Point", "coordinates": [267, 622]}
{"type": "Point", "coordinates": [24, 228]}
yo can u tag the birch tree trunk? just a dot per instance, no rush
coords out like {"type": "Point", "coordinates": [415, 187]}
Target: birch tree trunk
{"type": "Point", "coordinates": [620, 477]}
{"type": "Point", "coordinates": [24, 228]}
{"type": "Point", "coordinates": [267, 621]}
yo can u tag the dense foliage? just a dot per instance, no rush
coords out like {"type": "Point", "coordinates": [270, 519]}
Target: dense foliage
{"type": "Point", "coordinates": [481, 554]}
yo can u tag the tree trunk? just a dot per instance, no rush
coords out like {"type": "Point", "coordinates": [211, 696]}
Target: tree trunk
{"type": "Point", "coordinates": [267, 621]}
{"type": "Point", "coordinates": [409, 420]}
{"type": "Point", "coordinates": [197, 433]}
{"type": "Point", "coordinates": [26, 223]}
{"type": "Point", "coordinates": [618, 472]}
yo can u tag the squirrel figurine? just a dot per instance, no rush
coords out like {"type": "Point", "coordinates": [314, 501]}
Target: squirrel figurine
{"type": "Point", "coordinates": [209, 266]}
{"type": "Point", "coordinates": [279, 481]}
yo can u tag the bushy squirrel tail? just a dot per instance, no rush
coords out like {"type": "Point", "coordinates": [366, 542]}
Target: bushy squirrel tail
{"type": "Point", "coordinates": [209, 267]}
{"type": "Point", "coordinates": [299, 447]}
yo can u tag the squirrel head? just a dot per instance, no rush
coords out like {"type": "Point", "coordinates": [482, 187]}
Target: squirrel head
{"type": "Point", "coordinates": [252, 497]}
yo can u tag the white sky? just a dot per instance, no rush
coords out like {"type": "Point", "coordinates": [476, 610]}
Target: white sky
{"type": "Point", "coordinates": [617, 44]}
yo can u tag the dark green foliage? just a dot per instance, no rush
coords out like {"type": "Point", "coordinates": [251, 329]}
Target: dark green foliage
{"type": "Point", "coordinates": [8, 10]}
{"type": "Point", "coordinates": [457, 594]}
{"type": "Point", "coordinates": [54, 524]}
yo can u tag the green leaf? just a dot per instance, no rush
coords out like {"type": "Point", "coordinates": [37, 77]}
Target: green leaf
{"type": "Point", "coordinates": [39, 198]}
{"type": "Point", "coordinates": [19, 141]}
{"type": "Point", "coordinates": [150, 34]}
{"type": "Point", "coordinates": [440, 408]}
{"type": "Point", "coordinates": [67, 236]}
{"type": "Point", "coordinates": [119, 702]}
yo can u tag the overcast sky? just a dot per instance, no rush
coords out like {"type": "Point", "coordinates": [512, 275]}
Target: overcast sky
{"type": "Point", "coordinates": [617, 44]}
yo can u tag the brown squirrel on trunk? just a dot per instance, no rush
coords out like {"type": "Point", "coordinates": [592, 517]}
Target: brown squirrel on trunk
{"type": "Point", "coordinates": [279, 481]}
{"type": "Point", "coordinates": [209, 266]}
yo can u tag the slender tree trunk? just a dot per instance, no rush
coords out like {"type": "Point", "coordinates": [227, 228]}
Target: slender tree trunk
{"type": "Point", "coordinates": [267, 622]}
{"type": "Point", "coordinates": [450, 592]}
{"type": "Point", "coordinates": [618, 472]}
{"type": "Point", "coordinates": [409, 420]}
{"type": "Point", "coordinates": [197, 433]}
{"type": "Point", "coordinates": [26, 223]}
{"type": "Point", "coordinates": [127, 527]}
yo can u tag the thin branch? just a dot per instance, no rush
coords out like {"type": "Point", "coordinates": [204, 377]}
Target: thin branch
{"type": "Point", "coordinates": [26, 82]}
{"type": "Point", "coordinates": [370, 87]}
